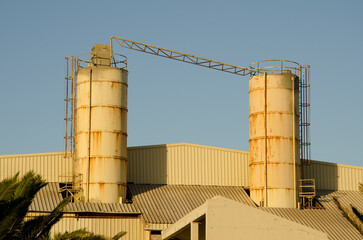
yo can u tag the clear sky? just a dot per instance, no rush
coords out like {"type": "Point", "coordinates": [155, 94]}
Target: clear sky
{"type": "Point", "coordinates": [170, 101]}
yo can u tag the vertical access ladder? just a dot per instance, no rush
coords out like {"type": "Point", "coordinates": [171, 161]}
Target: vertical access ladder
{"type": "Point", "coordinates": [72, 182]}
{"type": "Point", "coordinates": [304, 109]}
{"type": "Point", "coordinates": [307, 191]}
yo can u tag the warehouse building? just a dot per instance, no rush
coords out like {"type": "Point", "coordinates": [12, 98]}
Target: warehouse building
{"type": "Point", "coordinates": [169, 183]}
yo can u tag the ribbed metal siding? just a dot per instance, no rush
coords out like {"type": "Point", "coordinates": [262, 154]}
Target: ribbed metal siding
{"type": "Point", "coordinates": [330, 219]}
{"type": "Point", "coordinates": [49, 197]}
{"type": "Point", "coordinates": [168, 203]}
{"type": "Point", "coordinates": [188, 164]}
{"type": "Point", "coordinates": [49, 165]}
{"type": "Point", "coordinates": [182, 164]}
{"type": "Point", "coordinates": [334, 176]}
{"type": "Point", "coordinates": [105, 226]}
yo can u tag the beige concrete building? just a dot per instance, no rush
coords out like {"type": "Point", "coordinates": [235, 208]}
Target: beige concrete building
{"type": "Point", "coordinates": [221, 218]}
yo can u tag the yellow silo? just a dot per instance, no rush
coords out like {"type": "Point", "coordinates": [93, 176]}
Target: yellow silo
{"type": "Point", "coordinates": [101, 135]}
{"type": "Point", "coordinates": [274, 138]}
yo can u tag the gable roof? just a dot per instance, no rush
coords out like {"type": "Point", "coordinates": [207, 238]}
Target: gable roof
{"type": "Point", "coordinates": [49, 196]}
{"type": "Point", "coordinates": [168, 203]}
{"type": "Point", "coordinates": [223, 217]}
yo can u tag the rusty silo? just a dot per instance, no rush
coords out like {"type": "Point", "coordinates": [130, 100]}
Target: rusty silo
{"type": "Point", "coordinates": [101, 134]}
{"type": "Point", "coordinates": [274, 135]}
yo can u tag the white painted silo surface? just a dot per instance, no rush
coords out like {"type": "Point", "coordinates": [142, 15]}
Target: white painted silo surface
{"type": "Point", "coordinates": [274, 139]}
{"type": "Point", "coordinates": [101, 135]}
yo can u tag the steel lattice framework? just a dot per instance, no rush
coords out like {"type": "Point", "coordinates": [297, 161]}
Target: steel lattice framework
{"type": "Point", "coordinates": [183, 57]}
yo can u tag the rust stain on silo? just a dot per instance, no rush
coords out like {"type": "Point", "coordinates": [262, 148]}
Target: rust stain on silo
{"type": "Point", "coordinates": [108, 141]}
{"type": "Point", "coordinates": [272, 148]}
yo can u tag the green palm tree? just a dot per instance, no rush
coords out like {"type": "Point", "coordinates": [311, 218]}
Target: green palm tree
{"type": "Point", "coordinates": [82, 234]}
{"type": "Point", "coordinates": [16, 195]}
{"type": "Point", "coordinates": [354, 216]}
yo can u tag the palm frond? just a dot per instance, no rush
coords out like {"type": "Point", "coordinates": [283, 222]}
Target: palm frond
{"type": "Point", "coordinates": [13, 218]}
{"type": "Point", "coordinates": [78, 234]}
{"type": "Point", "coordinates": [30, 184]}
{"type": "Point", "coordinates": [82, 234]}
{"type": "Point", "coordinates": [361, 187]}
{"type": "Point", "coordinates": [40, 226]}
{"type": "Point", "coordinates": [352, 218]}
{"type": "Point", "coordinates": [7, 188]}
{"type": "Point", "coordinates": [357, 213]}
{"type": "Point", "coordinates": [119, 235]}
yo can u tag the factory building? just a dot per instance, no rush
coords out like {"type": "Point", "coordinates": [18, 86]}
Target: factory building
{"type": "Point", "coordinates": [183, 190]}
{"type": "Point", "coordinates": [166, 183]}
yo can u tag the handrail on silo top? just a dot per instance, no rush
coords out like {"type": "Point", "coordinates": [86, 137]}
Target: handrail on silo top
{"type": "Point", "coordinates": [276, 66]}
{"type": "Point", "coordinates": [118, 60]}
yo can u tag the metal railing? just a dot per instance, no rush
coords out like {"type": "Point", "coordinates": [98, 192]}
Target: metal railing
{"type": "Point", "coordinates": [307, 192]}
{"type": "Point", "coordinates": [117, 60]}
{"type": "Point", "coordinates": [277, 67]}
{"type": "Point", "coordinates": [71, 186]}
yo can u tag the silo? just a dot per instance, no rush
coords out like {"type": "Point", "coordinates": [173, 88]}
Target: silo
{"type": "Point", "coordinates": [274, 138]}
{"type": "Point", "coordinates": [101, 135]}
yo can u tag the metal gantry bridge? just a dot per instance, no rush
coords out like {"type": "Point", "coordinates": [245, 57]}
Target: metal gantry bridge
{"type": "Point", "coordinates": [302, 71]}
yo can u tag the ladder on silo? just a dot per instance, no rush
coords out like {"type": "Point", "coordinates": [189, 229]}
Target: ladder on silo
{"type": "Point", "coordinates": [304, 109]}
{"type": "Point", "coordinates": [75, 188]}
{"type": "Point", "coordinates": [70, 106]}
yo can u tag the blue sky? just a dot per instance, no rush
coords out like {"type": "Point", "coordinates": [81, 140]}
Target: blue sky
{"type": "Point", "coordinates": [173, 102]}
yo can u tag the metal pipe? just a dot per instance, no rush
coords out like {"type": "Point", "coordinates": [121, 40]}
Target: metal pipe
{"type": "Point", "coordinates": [293, 136]}
{"type": "Point", "coordinates": [66, 100]}
{"type": "Point", "coordinates": [265, 114]}
{"type": "Point", "coordinates": [89, 133]}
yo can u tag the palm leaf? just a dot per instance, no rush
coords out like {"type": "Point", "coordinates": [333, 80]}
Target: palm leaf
{"type": "Point", "coordinates": [30, 184]}
{"type": "Point", "coordinates": [119, 235]}
{"type": "Point", "coordinates": [358, 213]}
{"type": "Point", "coordinates": [350, 216]}
{"type": "Point", "coordinates": [14, 214]}
{"type": "Point", "coordinates": [7, 188]}
{"type": "Point", "coordinates": [78, 234]}
{"type": "Point", "coordinates": [40, 226]}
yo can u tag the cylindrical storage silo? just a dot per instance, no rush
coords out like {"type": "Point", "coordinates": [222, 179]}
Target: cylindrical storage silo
{"type": "Point", "coordinates": [274, 139]}
{"type": "Point", "coordinates": [101, 135]}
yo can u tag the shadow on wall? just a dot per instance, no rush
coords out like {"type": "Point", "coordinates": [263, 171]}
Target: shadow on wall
{"type": "Point", "coordinates": [325, 174]}
{"type": "Point", "coordinates": [188, 164]}
{"type": "Point", "coordinates": [147, 164]}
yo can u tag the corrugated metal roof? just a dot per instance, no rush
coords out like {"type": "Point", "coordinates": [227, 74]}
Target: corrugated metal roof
{"type": "Point", "coordinates": [165, 204]}
{"type": "Point", "coordinates": [49, 197]}
{"type": "Point", "coordinates": [107, 226]}
{"type": "Point", "coordinates": [329, 219]}
{"type": "Point", "coordinates": [46, 199]}
{"type": "Point", "coordinates": [168, 203]}
{"type": "Point", "coordinates": [109, 208]}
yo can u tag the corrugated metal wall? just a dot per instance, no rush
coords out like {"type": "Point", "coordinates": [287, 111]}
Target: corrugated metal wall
{"type": "Point", "coordinates": [49, 165]}
{"type": "Point", "coordinates": [333, 176]}
{"type": "Point", "coordinates": [183, 164]}
{"type": "Point", "coordinates": [188, 164]}
{"type": "Point", "coordinates": [102, 225]}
